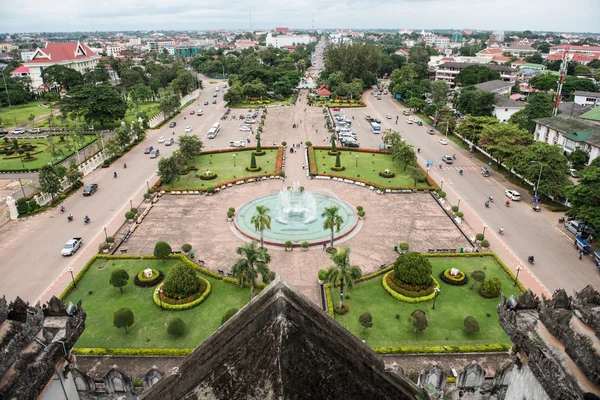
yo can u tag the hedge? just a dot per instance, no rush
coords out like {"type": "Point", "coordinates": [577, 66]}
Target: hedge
{"type": "Point", "coordinates": [329, 300]}
{"type": "Point", "coordinates": [186, 306]}
{"type": "Point", "coordinates": [443, 349]}
{"type": "Point", "coordinates": [87, 351]}
{"type": "Point", "coordinates": [406, 299]}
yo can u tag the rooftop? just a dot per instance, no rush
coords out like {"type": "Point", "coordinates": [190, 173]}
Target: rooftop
{"type": "Point", "coordinates": [505, 102]}
{"type": "Point", "coordinates": [595, 95]}
{"type": "Point", "coordinates": [491, 86]}
{"type": "Point", "coordinates": [573, 109]}
{"type": "Point", "coordinates": [593, 114]}
{"type": "Point", "coordinates": [459, 65]}
{"type": "Point", "coordinates": [568, 125]}
{"type": "Point", "coordinates": [55, 53]}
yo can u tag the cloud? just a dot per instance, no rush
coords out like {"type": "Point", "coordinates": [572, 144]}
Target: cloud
{"type": "Point", "coordinates": [40, 15]}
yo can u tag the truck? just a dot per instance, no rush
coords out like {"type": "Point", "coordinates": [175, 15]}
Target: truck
{"type": "Point", "coordinates": [71, 246]}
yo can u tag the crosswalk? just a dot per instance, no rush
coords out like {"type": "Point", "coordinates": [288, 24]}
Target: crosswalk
{"type": "Point", "coordinates": [450, 167]}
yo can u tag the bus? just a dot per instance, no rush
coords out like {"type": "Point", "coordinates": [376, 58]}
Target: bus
{"type": "Point", "coordinates": [375, 128]}
{"type": "Point", "coordinates": [212, 133]}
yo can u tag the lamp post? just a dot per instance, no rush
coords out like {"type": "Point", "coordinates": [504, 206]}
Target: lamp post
{"type": "Point", "coordinates": [517, 277]}
{"type": "Point", "coordinates": [148, 184]}
{"type": "Point", "coordinates": [458, 203]}
{"type": "Point", "coordinates": [160, 292]}
{"type": "Point", "coordinates": [234, 160]}
{"type": "Point", "coordinates": [22, 190]}
{"type": "Point", "coordinates": [484, 227]}
{"type": "Point", "coordinates": [537, 187]}
{"type": "Point", "coordinates": [130, 203]}
{"type": "Point", "coordinates": [442, 185]}
{"type": "Point", "coordinates": [72, 278]}
{"type": "Point", "coordinates": [105, 234]}
{"type": "Point", "coordinates": [356, 161]}
{"type": "Point", "coordinates": [5, 88]}
{"type": "Point", "coordinates": [436, 290]}
{"type": "Point", "coordinates": [426, 173]}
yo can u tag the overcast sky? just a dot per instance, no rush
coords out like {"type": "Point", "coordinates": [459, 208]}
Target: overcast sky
{"type": "Point", "coordinates": [119, 15]}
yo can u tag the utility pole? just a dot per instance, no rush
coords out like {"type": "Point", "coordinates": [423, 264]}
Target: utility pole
{"type": "Point", "coordinates": [563, 72]}
{"type": "Point", "coordinates": [5, 88]}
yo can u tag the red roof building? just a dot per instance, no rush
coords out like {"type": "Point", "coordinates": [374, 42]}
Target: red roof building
{"type": "Point", "coordinates": [489, 53]}
{"type": "Point", "coordinates": [282, 30]}
{"type": "Point", "coordinates": [323, 91]}
{"type": "Point", "coordinates": [575, 49]}
{"type": "Point", "coordinates": [73, 55]}
{"type": "Point", "coordinates": [20, 72]}
{"type": "Point", "coordinates": [500, 59]}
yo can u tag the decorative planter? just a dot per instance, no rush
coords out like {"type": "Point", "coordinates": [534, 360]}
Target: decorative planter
{"type": "Point", "coordinates": [230, 219]}
{"type": "Point", "coordinates": [288, 249]}
{"type": "Point", "coordinates": [361, 217]}
{"type": "Point", "coordinates": [321, 282]}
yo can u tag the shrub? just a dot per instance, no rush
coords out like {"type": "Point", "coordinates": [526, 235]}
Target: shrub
{"type": "Point", "coordinates": [361, 213]}
{"type": "Point", "coordinates": [471, 325]}
{"type": "Point", "coordinates": [456, 280]}
{"type": "Point", "coordinates": [341, 311]}
{"type": "Point", "coordinates": [162, 250]}
{"type": "Point", "coordinates": [228, 314]}
{"type": "Point", "coordinates": [305, 245]}
{"type": "Point", "coordinates": [230, 214]}
{"type": "Point", "coordinates": [442, 194]}
{"type": "Point", "coordinates": [119, 278]}
{"type": "Point", "coordinates": [359, 208]}
{"type": "Point", "coordinates": [33, 205]}
{"type": "Point", "coordinates": [459, 214]}
{"type": "Point", "coordinates": [485, 244]}
{"type": "Point", "coordinates": [210, 189]}
{"type": "Point", "coordinates": [103, 246]}
{"type": "Point", "coordinates": [366, 321]}
{"type": "Point", "coordinates": [284, 143]}
{"type": "Point", "coordinates": [231, 209]}
{"type": "Point", "coordinates": [134, 210]}
{"type": "Point", "coordinates": [22, 206]}
{"type": "Point", "coordinates": [478, 276]}
{"type": "Point", "coordinates": [479, 236]}
{"type": "Point", "coordinates": [186, 248]}
{"type": "Point", "coordinates": [150, 191]}
{"type": "Point", "coordinates": [491, 288]}
{"type": "Point", "coordinates": [308, 143]}
{"type": "Point", "coordinates": [147, 196]}
{"type": "Point", "coordinates": [288, 244]}
{"type": "Point", "coordinates": [418, 320]}
{"type": "Point", "coordinates": [129, 215]}
{"type": "Point", "coordinates": [404, 246]}
{"type": "Point", "coordinates": [176, 327]}
{"type": "Point", "coordinates": [181, 282]}
{"type": "Point", "coordinates": [413, 269]}
{"type": "Point", "coordinates": [110, 239]}
{"type": "Point", "coordinates": [123, 318]}
{"type": "Point", "coordinates": [322, 274]}
{"type": "Point", "coordinates": [454, 209]}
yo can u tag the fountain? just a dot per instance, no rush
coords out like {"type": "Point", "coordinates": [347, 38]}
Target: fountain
{"type": "Point", "coordinates": [295, 216]}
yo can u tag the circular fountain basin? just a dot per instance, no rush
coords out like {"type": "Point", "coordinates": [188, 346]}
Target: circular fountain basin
{"type": "Point", "coordinates": [295, 223]}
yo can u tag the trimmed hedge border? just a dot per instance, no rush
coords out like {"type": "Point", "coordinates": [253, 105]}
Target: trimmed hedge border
{"type": "Point", "coordinates": [186, 306]}
{"type": "Point", "coordinates": [85, 351]}
{"type": "Point", "coordinates": [329, 300]}
{"type": "Point", "coordinates": [384, 175]}
{"type": "Point", "coordinates": [485, 348]}
{"type": "Point", "coordinates": [406, 299]}
{"type": "Point", "coordinates": [205, 177]}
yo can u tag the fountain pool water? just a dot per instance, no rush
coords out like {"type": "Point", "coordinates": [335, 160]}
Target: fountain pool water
{"type": "Point", "coordinates": [295, 216]}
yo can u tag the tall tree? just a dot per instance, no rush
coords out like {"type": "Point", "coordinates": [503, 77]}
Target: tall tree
{"type": "Point", "coordinates": [190, 147]}
{"type": "Point", "coordinates": [332, 221]}
{"type": "Point", "coordinates": [100, 103]}
{"type": "Point", "coordinates": [585, 197]}
{"type": "Point", "coordinates": [475, 102]}
{"type": "Point", "coordinates": [439, 92]}
{"type": "Point", "coordinates": [504, 141]}
{"type": "Point", "coordinates": [140, 92]}
{"type": "Point", "coordinates": [446, 120]}
{"type": "Point", "coordinates": [539, 105]}
{"type": "Point", "coordinates": [170, 104]}
{"type": "Point", "coordinates": [254, 261]}
{"type": "Point", "coordinates": [168, 169]}
{"type": "Point", "coordinates": [342, 273]}
{"type": "Point", "coordinates": [50, 178]}
{"type": "Point", "coordinates": [261, 220]}
{"type": "Point", "coordinates": [471, 127]}
{"type": "Point", "coordinates": [183, 83]}
{"type": "Point", "coordinates": [61, 76]}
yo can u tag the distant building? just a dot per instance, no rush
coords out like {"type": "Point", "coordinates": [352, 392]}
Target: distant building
{"type": "Point", "coordinates": [489, 53]}
{"type": "Point", "coordinates": [405, 32]}
{"type": "Point", "coordinates": [505, 107]}
{"type": "Point", "coordinates": [159, 45]}
{"type": "Point", "coordinates": [6, 47]}
{"type": "Point", "coordinates": [27, 55]}
{"type": "Point", "coordinates": [185, 51]}
{"type": "Point", "coordinates": [113, 49]}
{"type": "Point", "coordinates": [244, 44]}
{"type": "Point", "coordinates": [587, 98]}
{"type": "Point", "coordinates": [440, 41]}
{"type": "Point", "coordinates": [135, 41]}
{"type": "Point", "coordinates": [286, 40]}
{"type": "Point", "coordinates": [592, 115]}
{"type": "Point", "coordinates": [323, 91]}
{"type": "Point", "coordinates": [20, 72]}
{"type": "Point", "coordinates": [282, 30]}
{"type": "Point", "coordinates": [570, 134]}
{"type": "Point", "coordinates": [402, 52]}
{"type": "Point", "coordinates": [574, 49]}
{"type": "Point", "coordinates": [73, 55]}
{"type": "Point", "coordinates": [520, 49]}
{"type": "Point", "coordinates": [497, 35]}
{"type": "Point", "coordinates": [495, 86]}
{"type": "Point", "coordinates": [448, 71]}
{"type": "Point", "coordinates": [457, 37]}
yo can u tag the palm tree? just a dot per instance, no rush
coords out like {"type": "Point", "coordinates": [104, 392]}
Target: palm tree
{"type": "Point", "coordinates": [332, 220]}
{"type": "Point", "coordinates": [255, 261]}
{"type": "Point", "coordinates": [342, 273]}
{"type": "Point", "coordinates": [261, 221]}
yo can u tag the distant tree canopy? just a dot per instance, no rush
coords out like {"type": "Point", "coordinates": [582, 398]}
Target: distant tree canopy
{"type": "Point", "coordinates": [354, 61]}
{"type": "Point", "coordinates": [474, 74]}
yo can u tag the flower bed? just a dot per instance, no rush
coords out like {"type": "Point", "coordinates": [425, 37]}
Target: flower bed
{"type": "Point", "coordinates": [408, 296]}
{"type": "Point", "coordinates": [156, 278]}
{"type": "Point", "coordinates": [458, 280]}
{"type": "Point", "coordinates": [183, 304]}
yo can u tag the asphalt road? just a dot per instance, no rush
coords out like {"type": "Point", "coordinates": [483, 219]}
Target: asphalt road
{"type": "Point", "coordinates": [526, 232]}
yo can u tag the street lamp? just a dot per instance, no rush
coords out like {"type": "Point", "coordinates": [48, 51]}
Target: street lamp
{"type": "Point", "coordinates": [105, 234]}
{"type": "Point", "coordinates": [442, 185]}
{"type": "Point", "coordinates": [484, 227]}
{"type": "Point", "coordinates": [72, 278]}
{"type": "Point", "coordinates": [458, 203]}
{"type": "Point", "coordinates": [517, 277]}
{"type": "Point", "coordinates": [234, 159]}
{"type": "Point", "coordinates": [148, 184]}
{"type": "Point", "coordinates": [356, 161]}
{"type": "Point", "coordinates": [130, 203]}
{"type": "Point", "coordinates": [6, 89]}
{"type": "Point", "coordinates": [426, 173]}
{"type": "Point", "coordinates": [436, 290]}
{"type": "Point", "coordinates": [22, 190]}
{"type": "Point", "coordinates": [160, 292]}
{"type": "Point", "coordinates": [537, 187]}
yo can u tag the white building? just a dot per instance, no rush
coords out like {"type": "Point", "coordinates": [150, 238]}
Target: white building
{"type": "Point", "coordinates": [440, 41]}
{"type": "Point", "coordinates": [587, 98]}
{"type": "Point", "coordinates": [504, 107]}
{"type": "Point", "coordinates": [113, 49]}
{"type": "Point", "coordinates": [158, 45]}
{"type": "Point", "coordinates": [570, 134]}
{"type": "Point", "coordinates": [286, 40]}
{"type": "Point", "coordinates": [135, 41]}
{"type": "Point", "coordinates": [27, 55]}
{"type": "Point", "coordinates": [73, 55]}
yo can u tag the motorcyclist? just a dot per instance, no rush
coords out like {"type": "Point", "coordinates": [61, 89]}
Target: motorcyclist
{"type": "Point", "coordinates": [492, 199]}
{"type": "Point", "coordinates": [461, 171]}
{"type": "Point", "coordinates": [507, 203]}
{"type": "Point", "coordinates": [124, 165]}
{"type": "Point", "coordinates": [440, 165]}
{"type": "Point", "coordinates": [86, 219]}
{"type": "Point", "coordinates": [115, 174]}
{"type": "Point", "coordinates": [62, 208]}
{"type": "Point", "coordinates": [418, 150]}
{"type": "Point", "coordinates": [487, 204]}
{"type": "Point", "coordinates": [501, 230]}
{"type": "Point", "coordinates": [454, 156]}
{"type": "Point", "coordinates": [69, 217]}
{"type": "Point", "coordinates": [530, 259]}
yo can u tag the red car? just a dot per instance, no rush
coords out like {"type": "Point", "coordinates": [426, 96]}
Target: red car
{"type": "Point", "coordinates": [148, 149]}
{"type": "Point", "coordinates": [336, 109]}
{"type": "Point", "coordinates": [192, 112]}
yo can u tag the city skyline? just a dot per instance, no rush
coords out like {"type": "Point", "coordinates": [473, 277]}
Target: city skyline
{"type": "Point", "coordinates": [110, 15]}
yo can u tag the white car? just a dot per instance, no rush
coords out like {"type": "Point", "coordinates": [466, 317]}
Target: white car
{"type": "Point", "coordinates": [188, 129]}
{"type": "Point", "coordinates": [237, 143]}
{"type": "Point", "coordinates": [18, 131]}
{"type": "Point", "coordinates": [409, 121]}
{"type": "Point", "coordinates": [388, 116]}
{"type": "Point", "coordinates": [513, 195]}
{"type": "Point", "coordinates": [444, 141]}
{"type": "Point", "coordinates": [245, 128]}
{"type": "Point", "coordinates": [161, 139]}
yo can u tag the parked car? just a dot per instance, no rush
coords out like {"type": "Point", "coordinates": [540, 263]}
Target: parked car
{"type": "Point", "coordinates": [169, 141]}
{"type": "Point", "coordinates": [447, 159]}
{"type": "Point", "coordinates": [172, 124]}
{"type": "Point", "coordinates": [406, 112]}
{"type": "Point", "coordinates": [161, 139]}
{"type": "Point", "coordinates": [245, 128]}
{"type": "Point", "coordinates": [215, 94]}
{"type": "Point", "coordinates": [34, 130]}
{"type": "Point", "coordinates": [188, 129]}
{"type": "Point", "coordinates": [409, 121]}
{"type": "Point", "coordinates": [351, 144]}
{"type": "Point", "coordinates": [573, 172]}
{"type": "Point", "coordinates": [376, 120]}
{"type": "Point", "coordinates": [3, 132]}
{"type": "Point", "coordinates": [199, 112]}
{"type": "Point", "coordinates": [224, 86]}
{"type": "Point", "coordinates": [154, 153]}
{"type": "Point", "coordinates": [513, 195]}
{"type": "Point", "coordinates": [148, 149]}
{"type": "Point", "coordinates": [90, 189]}
{"type": "Point", "coordinates": [237, 143]}
{"type": "Point", "coordinates": [431, 131]}
{"type": "Point", "coordinates": [443, 141]}
{"type": "Point", "coordinates": [18, 131]}
{"type": "Point", "coordinates": [336, 109]}
{"type": "Point", "coordinates": [206, 103]}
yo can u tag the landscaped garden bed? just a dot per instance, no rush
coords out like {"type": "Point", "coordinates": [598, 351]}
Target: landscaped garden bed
{"type": "Point", "coordinates": [227, 168]}
{"type": "Point", "coordinates": [373, 167]}
{"type": "Point", "coordinates": [445, 332]}
{"type": "Point", "coordinates": [149, 330]}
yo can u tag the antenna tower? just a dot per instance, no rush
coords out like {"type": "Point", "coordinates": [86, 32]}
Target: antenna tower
{"type": "Point", "coordinates": [250, 20]}
{"type": "Point", "coordinates": [563, 72]}
{"type": "Point", "coordinates": [313, 21]}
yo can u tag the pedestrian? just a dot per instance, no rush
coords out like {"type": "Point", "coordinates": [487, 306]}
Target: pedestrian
{"type": "Point", "coordinates": [284, 179]}
{"type": "Point", "coordinates": [313, 125]}
{"type": "Point", "coordinates": [317, 131]}
{"type": "Point", "coordinates": [580, 255]}
{"type": "Point", "coordinates": [324, 246]}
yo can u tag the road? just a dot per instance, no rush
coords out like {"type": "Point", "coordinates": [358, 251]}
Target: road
{"type": "Point", "coordinates": [526, 232]}
{"type": "Point", "coordinates": [30, 248]}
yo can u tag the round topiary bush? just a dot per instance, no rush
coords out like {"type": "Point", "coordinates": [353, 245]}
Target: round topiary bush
{"type": "Point", "coordinates": [341, 311]}
{"type": "Point", "coordinates": [288, 244]}
{"type": "Point", "coordinates": [490, 288]}
{"type": "Point", "coordinates": [413, 269]}
{"type": "Point", "coordinates": [176, 327]}
{"type": "Point", "coordinates": [322, 274]}
{"type": "Point", "coordinates": [479, 236]}
{"type": "Point", "coordinates": [485, 244]}
{"type": "Point", "coordinates": [129, 215]}
{"type": "Point", "coordinates": [359, 208]}
{"type": "Point", "coordinates": [228, 314]}
{"type": "Point", "coordinates": [308, 143]}
{"type": "Point", "coordinates": [404, 246]}
{"type": "Point", "coordinates": [156, 278]}
{"type": "Point", "coordinates": [471, 325]}
{"type": "Point", "coordinates": [454, 209]}
{"type": "Point", "coordinates": [110, 239]}
{"type": "Point", "coordinates": [181, 282]}
{"type": "Point", "coordinates": [186, 248]}
{"type": "Point", "coordinates": [459, 214]}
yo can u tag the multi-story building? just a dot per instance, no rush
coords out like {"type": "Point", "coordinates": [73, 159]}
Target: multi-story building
{"type": "Point", "coordinates": [448, 71]}
{"type": "Point", "coordinates": [158, 45]}
{"type": "Point", "coordinates": [519, 49]}
{"type": "Point", "coordinates": [587, 98]}
{"type": "Point", "coordinates": [73, 55]}
{"type": "Point", "coordinates": [497, 35]}
{"type": "Point", "coordinates": [570, 134]}
{"type": "Point", "coordinates": [457, 37]}
{"type": "Point", "coordinates": [575, 49]}
{"type": "Point", "coordinates": [282, 30]}
{"type": "Point", "coordinates": [6, 47]}
{"type": "Point", "coordinates": [489, 53]}
{"type": "Point", "coordinates": [440, 41]}
{"type": "Point", "coordinates": [113, 49]}
{"type": "Point", "coordinates": [185, 51]}
{"type": "Point", "coordinates": [287, 40]}
{"type": "Point", "coordinates": [135, 41]}
{"type": "Point", "coordinates": [495, 86]}
{"type": "Point", "coordinates": [505, 107]}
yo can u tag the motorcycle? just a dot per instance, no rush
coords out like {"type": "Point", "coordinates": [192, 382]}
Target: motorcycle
{"type": "Point", "coordinates": [491, 199]}
{"type": "Point", "coordinates": [460, 172]}
{"type": "Point", "coordinates": [531, 260]}
{"type": "Point", "coordinates": [454, 156]}
{"type": "Point", "coordinates": [487, 204]}
{"type": "Point", "coordinates": [507, 203]}
{"type": "Point", "coordinates": [86, 221]}
{"type": "Point", "coordinates": [501, 231]}
{"type": "Point", "coordinates": [69, 218]}
{"type": "Point", "coordinates": [115, 174]}
{"type": "Point", "coordinates": [62, 209]}
{"type": "Point", "coordinates": [536, 208]}
{"type": "Point", "coordinates": [124, 166]}
{"type": "Point", "coordinates": [561, 220]}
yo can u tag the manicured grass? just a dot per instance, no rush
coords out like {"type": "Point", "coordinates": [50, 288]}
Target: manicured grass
{"type": "Point", "coordinates": [453, 304]}
{"type": "Point", "coordinates": [249, 105]}
{"type": "Point", "coordinates": [369, 167]}
{"type": "Point", "coordinates": [222, 165]}
{"type": "Point", "coordinates": [21, 113]}
{"type": "Point", "coordinates": [63, 149]}
{"type": "Point", "coordinates": [149, 329]}
{"type": "Point", "coordinates": [332, 103]}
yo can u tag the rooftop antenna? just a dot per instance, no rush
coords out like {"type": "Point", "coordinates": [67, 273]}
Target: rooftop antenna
{"type": "Point", "coordinates": [563, 72]}
{"type": "Point", "coordinates": [313, 21]}
{"type": "Point", "coordinates": [250, 21]}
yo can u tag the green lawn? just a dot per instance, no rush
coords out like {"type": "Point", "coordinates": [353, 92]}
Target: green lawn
{"type": "Point", "coordinates": [148, 330]}
{"type": "Point", "coordinates": [333, 103]}
{"type": "Point", "coordinates": [63, 149]}
{"type": "Point", "coordinates": [368, 169]}
{"type": "Point", "coordinates": [222, 165]}
{"type": "Point", "coordinates": [453, 304]}
{"type": "Point", "coordinates": [21, 113]}
{"type": "Point", "coordinates": [253, 104]}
